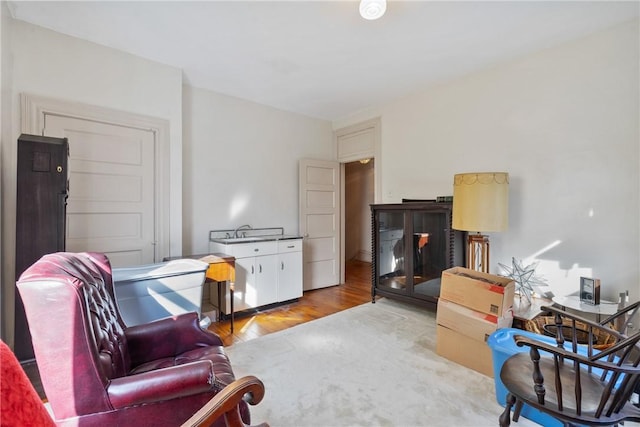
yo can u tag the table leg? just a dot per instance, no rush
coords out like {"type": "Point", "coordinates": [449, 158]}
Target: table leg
{"type": "Point", "coordinates": [219, 300]}
{"type": "Point", "coordinates": [231, 298]}
{"type": "Point", "coordinates": [222, 288]}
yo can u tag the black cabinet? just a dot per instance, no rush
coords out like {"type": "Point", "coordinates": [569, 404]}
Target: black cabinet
{"type": "Point", "coordinates": [41, 199]}
{"type": "Point", "coordinates": [413, 243]}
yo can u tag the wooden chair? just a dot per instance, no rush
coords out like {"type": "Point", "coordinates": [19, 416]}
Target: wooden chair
{"type": "Point", "coordinates": [576, 384]}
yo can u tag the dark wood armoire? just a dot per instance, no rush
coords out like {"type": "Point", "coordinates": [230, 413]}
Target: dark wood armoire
{"type": "Point", "coordinates": [41, 198]}
{"type": "Point", "coordinates": [413, 243]}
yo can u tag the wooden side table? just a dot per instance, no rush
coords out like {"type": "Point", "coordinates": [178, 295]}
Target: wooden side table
{"type": "Point", "coordinates": [222, 269]}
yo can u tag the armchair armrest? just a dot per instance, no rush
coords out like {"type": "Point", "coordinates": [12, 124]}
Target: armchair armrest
{"type": "Point", "coordinates": [168, 337]}
{"type": "Point", "coordinates": [225, 404]}
{"type": "Point", "coordinates": [162, 384]}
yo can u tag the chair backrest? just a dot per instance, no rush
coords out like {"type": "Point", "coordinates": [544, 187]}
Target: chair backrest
{"type": "Point", "coordinates": [76, 328]}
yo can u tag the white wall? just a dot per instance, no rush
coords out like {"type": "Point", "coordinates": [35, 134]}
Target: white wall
{"type": "Point", "coordinates": [564, 123]}
{"type": "Point", "coordinates": [49, 64]}
{"type": "Point", "coordinates": [240, 164]}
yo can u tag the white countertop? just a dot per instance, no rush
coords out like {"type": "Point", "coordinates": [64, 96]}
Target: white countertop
{"type": "Point", "coordinates": [250, 239]}
{"type": "Point", "coordinates": [250, 235]}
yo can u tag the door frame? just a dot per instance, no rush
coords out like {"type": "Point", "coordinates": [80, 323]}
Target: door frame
{"type": "Point", "coordinates": [352, 154]}
{"type": "Point", "coordinates": [35, 108]}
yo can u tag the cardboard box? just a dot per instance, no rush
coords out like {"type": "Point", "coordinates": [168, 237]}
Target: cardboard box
{"type": "Point", "coordinates": [462, 335]}
{"type": "Point", "coordinates": [478, 291]}
{"type": "Point", "coordinates": [471, 323]}
{"type": "Point", "coordinates": [466, 351]}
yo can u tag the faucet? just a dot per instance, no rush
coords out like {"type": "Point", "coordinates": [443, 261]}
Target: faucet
{"type": "Point", "coordinates": [235, 232]}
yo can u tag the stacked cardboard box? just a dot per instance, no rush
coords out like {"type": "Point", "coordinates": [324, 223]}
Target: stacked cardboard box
{"type": "Point", "coordinates": [472, 305]}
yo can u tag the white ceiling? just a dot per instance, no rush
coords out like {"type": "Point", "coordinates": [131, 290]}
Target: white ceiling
{"type": "Point", "coordinates": [320, 58]}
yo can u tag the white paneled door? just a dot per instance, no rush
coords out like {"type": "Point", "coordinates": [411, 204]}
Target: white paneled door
{"type": "Point", "coordinates": [320, 222]}
{"type": "Point", "coordinates": [111, 189]}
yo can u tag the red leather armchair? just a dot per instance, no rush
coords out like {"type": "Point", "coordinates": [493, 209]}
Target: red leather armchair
{"type": "Point", "coordinates": [97, 371]}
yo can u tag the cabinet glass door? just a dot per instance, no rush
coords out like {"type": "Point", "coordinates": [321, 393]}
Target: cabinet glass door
{"type": "Point", "coordinates": [428, 252]}
{"type": "Point", "coordinates": [391, 254]}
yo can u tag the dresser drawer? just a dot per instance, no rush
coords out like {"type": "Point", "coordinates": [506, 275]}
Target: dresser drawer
{"type": "Point", "coordinates": [245, 250]}
{"type": "Point", "coordinates": [289, 245]}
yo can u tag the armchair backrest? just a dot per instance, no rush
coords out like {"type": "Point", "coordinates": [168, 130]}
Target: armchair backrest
{"type": "Point", "coordinates": [76, 328]}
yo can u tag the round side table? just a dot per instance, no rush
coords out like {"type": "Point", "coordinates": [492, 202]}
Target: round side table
{"type": "Point", "coordinates": [573, 302]}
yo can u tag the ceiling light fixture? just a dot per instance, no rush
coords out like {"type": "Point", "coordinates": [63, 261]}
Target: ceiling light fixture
{"type": "Point", "coordinates": [372, 9]}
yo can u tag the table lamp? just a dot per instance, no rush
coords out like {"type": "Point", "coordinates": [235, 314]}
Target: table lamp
{"type": "Point", "coordinates": [480, 204]}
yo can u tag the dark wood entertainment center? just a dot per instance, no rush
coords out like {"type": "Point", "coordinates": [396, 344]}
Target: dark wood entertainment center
{"type": "Point", "coordinates": [412, 243]}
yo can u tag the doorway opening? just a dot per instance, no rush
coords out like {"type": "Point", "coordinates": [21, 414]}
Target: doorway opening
{"type": "Point", "coordinates": [359, 194]}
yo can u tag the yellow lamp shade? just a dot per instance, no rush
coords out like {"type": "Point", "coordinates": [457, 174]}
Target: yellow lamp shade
{"type": "Point", "coordinates": [481, 201]}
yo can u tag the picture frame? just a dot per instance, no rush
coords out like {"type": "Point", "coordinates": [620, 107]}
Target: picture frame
{"type": "Point", "coordinates": [590, 290]}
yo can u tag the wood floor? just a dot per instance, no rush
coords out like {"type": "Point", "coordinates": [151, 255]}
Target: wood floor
{"type": "Point", "coordinates": [313, 305]}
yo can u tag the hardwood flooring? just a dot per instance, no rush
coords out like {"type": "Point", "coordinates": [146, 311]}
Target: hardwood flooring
{"type": "Point", "coordinates": [313, 305]}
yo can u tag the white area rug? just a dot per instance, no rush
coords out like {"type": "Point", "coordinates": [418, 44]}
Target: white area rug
{"type": "Point", "coordinates": [371, 365]}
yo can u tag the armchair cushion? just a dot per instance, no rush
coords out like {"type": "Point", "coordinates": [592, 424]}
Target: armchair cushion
{"type": "Point", "coordinates": [95, 369]}
{"type": "Point", "coordinates": [167, 337]}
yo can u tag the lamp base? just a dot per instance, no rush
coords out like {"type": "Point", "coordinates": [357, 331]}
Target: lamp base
{"type": "Point", "coordinates": [478, 252]}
